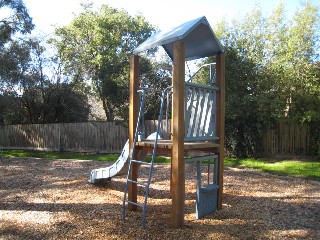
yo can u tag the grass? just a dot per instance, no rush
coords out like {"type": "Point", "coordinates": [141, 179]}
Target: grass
{"type": "Point", "coordinates": [307, 169]}
{"type": "Point", "coordinates": [68, 155]}
{"type": "Point", "coordinates": [60, 155]}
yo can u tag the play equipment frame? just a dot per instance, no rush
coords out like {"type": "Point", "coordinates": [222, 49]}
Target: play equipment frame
{"type": "Point", "coordinates": [177, 146]}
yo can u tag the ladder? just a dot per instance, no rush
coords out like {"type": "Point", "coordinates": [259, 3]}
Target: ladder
{"type": "Point", "coordinates": [150, 164]}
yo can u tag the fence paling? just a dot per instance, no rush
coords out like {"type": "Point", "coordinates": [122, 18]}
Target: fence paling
{"type": "Point", "coordinates": [89, 136]}
{"type": "Point", "coordinates": [286, 138]}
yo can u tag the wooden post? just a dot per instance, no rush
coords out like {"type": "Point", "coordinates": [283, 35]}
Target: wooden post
{"type": "Point", "coordinates": [133, 117]}
{"type": "Point", "coordinates": [177, 171]}
{"type": "Point", "coordinates": [171, 130]}
{"type": "Point", "coordinates": [220, 70]}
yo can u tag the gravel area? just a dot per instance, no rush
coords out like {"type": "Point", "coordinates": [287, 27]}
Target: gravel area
{"type": "Point", "coordinates": [51, 199]}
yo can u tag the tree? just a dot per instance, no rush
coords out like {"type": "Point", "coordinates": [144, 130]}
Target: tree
{"type": "Point", "coordinates": [12, 51]}
{"type": "Point", "coordinates": [156, 75]}
{"type": "Point", "coordinates": [27, 93]}
{"type": "Point", "coordinates": [18, 20]}
{"type": "Point", "coordinates": [30, 96]}
{"type": "Point", "coordinates": [301, 85]}
{"type": "Point", "coordinates": [96, 47]}
{"type": "Point", "coordinates": [303, 52]}
{"type": "Point", "coordinates": [269, 72]}
{"type": "Point", "coordinates": [250, 89]}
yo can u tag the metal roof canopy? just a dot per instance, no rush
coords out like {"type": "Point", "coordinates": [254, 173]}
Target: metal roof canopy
{"type": "Point", "coordinates": [197, 35]}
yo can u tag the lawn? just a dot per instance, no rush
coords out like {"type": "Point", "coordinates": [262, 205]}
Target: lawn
{"type": "Point", "coordinates": [71, 155]}
{"type": "Point", "coordinates": [60, 155]}
{"type": "Point", "coordinates": [308, 169]}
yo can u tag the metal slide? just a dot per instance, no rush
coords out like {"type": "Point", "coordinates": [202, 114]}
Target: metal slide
{"type": "Point", "coordinates": [120, 167]}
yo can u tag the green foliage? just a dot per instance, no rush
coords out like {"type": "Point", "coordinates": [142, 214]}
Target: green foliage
{"type": "Point", "coordinates": [27, 93]}
{"type": "Point", "coordinates": [96, 46]}
{"type": "Point", "coordinates": [308, 169]}
{"type": "Point", "coordinates": [36, 87]}
{"type": "Point", "coordinates": [155, 75]}
{"type": "Point", "coordinates": [19, 21]}
{"type": "Point", "coordinates": [29, 96]}
{"type": "Point", "coordinates": [271, 73]}
{"type": "Point", "coordinates": [60, 155]}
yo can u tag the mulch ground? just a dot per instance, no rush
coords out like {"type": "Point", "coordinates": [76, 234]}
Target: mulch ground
{"type": "Point", "coordinates": [51, 199]}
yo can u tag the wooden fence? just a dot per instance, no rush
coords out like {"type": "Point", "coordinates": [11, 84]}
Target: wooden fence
{"type": "Point", "coordinates": [79, 137]}
{"type": "Point", "coordinates": [286, 138]}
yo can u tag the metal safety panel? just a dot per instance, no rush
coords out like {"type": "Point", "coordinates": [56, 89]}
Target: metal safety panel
{"type": "Point", "coordinates": [200, 112]}
{"type": "Point", "coordinates": [207, 200]}
{"type": "Point", "coordinates": [207, 195]}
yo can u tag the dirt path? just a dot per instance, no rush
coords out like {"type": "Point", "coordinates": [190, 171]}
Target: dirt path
{"type": "Point", "coordinates": [50, 199]}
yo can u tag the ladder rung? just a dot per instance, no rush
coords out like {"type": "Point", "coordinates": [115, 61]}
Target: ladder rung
{"type": "Point", "coordinates": [141, 162]}
{"type": "Point", "coordinates": [134, 203]}
{"type": "Point", "coordinates": [140, 183]}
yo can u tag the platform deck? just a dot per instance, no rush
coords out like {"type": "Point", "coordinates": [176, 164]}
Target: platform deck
{"type": "Point", "coordinates": [165, 146]}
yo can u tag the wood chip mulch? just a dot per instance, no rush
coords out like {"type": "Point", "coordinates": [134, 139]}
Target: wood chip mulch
{"type": "Point", "coordinates": [51, 199]}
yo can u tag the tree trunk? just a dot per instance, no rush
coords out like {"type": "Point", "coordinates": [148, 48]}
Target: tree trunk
{"type": "Point", "coordinates": [108, 110]}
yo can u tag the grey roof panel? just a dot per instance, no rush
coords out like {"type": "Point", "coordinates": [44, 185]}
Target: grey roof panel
{"type": "Point", "coordinates": [196, 34]}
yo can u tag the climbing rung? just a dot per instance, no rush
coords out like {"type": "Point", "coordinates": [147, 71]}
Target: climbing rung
{"type": "Point", "coordinates": [134, 203]}
{"type": "Point", "coordinates": [140, 162]}
{"type": "Point", "coordinates": [140, 183]}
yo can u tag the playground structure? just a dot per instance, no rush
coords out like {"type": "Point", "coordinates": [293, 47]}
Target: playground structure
{"type": "Point", "coordinates": [197, 124]}
{"type": "Point", "coordinates": [197, 121]}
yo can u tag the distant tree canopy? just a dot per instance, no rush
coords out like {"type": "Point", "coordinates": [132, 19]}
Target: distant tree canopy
{"type": "Point", "coordinates": [96, 47]}
{"type": "Point", "coordinates": [38, 87]}
{"type": "Point", "coordinates": [27, 93]}
{"type": "Point", "coordinates": [17, 21]}
{"type": "Point", "coordinates": [272, 72]}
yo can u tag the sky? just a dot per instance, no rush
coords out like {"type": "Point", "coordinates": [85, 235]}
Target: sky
{"type": "Point", "coordinates": [164, 14]}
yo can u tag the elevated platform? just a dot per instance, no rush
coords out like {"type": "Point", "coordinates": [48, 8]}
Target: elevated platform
{"type": "Point", "coordinates": [165, 146]}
